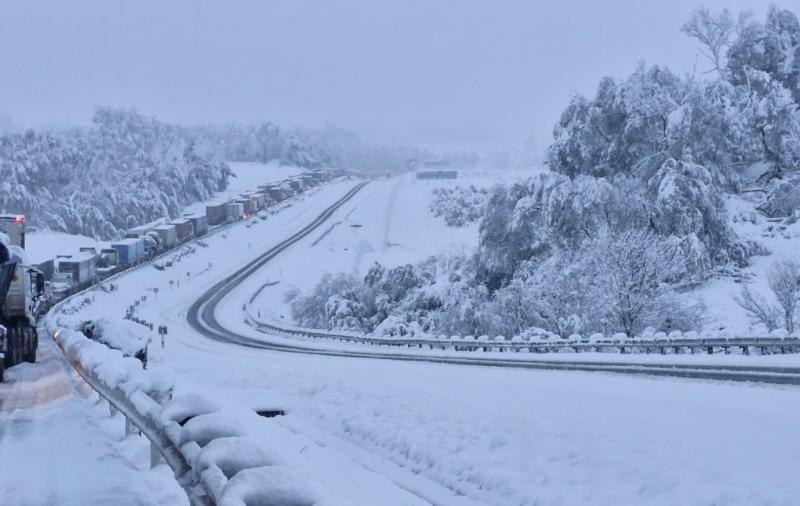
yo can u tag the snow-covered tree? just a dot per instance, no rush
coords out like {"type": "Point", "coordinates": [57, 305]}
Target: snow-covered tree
{"type": "Point", "coordinates": [633, 278]}
{"type": "Point", "coordinates": [784, 284]}
{"type": "Point", "coordinates": [772, 47]}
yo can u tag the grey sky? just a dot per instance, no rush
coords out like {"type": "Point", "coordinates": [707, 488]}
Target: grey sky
{"type": "Point", "coordinates": [426, 72]}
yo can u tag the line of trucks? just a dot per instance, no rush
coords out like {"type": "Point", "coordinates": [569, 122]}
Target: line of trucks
{"type": "Point", "coordinates": [27, 291]}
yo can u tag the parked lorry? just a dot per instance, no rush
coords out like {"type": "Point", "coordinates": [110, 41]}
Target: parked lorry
{"type": "Point", "coordinates": [199, 224]}
{"type": "Point", "coordinates": [83, 268]}
{"type": "Point", "coordinates": [235, 211]}
{"type": "Point", "coordinates": [21, 296]}
{"type": "Point", "coordinates": [183, 228]}
{"type": "Point", "coordinates": [168, 235]}
{"type": "Point", "coordinates": [14, 227]}
{"type": "Point", "coordinates": [217, 213]}
{"type": "Point", "coordinates": [129, 251]}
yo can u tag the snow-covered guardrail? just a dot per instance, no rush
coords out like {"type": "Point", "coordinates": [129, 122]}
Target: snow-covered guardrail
{"type": "Point", "coordinates": [210, 449]}
{"type": "Point", "coordinates": [545, 342]}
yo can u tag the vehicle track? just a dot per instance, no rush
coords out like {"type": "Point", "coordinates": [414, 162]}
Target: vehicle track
{"type": "Point", "coordinates": [201, 317]}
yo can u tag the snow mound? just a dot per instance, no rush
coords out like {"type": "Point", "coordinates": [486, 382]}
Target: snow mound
{"type": "Point", "coordinates": [123, 335]}
{"type": "Point", "coordinates": [272, 486]}
{"type": "Point", "coordinates": [233, 454]}
{"type": "Point", "coordinates": [183, 407]}
{"type": "Point", "coordinates": [203, 429]}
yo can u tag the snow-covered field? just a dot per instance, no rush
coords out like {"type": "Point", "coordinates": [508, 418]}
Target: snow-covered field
{"type": "Point", "coordinates": [458, 434]}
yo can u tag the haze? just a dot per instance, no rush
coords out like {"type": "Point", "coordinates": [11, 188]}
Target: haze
{"type": "Point", "coordinates": [452, 74]}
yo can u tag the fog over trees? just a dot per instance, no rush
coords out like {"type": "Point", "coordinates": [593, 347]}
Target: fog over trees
{"type": "Point", "coordinates": [128, 169]}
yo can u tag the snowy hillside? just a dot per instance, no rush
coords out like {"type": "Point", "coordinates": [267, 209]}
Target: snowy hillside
{"type": "Point", "coordinates": [782, 241]}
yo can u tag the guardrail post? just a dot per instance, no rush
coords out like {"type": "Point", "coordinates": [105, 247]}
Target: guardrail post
{"type": "Point", "coordinates": [130, 428]}
{"type": "Point", "coordinates": [112, 411]}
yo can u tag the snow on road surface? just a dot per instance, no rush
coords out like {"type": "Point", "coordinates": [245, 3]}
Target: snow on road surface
{"type": "Point", "coordinates": [500, 436]}
{"type": "Point", "coordinates": [60, 447]}
{"type": "Point", "coordinates": [388, 222]}
{"type": "Point", "coordinates": [460, 434]}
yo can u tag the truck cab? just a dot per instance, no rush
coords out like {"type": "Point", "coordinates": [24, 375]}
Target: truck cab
{"type": "Point", "coordinates": [14, 227]}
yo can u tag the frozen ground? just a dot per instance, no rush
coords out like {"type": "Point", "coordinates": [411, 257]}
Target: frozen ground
{"type": "Point", "coordinates": [58, 445]}
{"type": "Point", "coordinates": [453, 434]}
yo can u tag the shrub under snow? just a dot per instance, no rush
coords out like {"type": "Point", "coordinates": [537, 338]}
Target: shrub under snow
{"type": "Point", "coordinates": [459, 206]}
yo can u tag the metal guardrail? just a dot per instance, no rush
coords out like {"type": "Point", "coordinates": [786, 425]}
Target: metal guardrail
{"type": "Point", "coordinates": [161, 446]}
{"type": "Point", "coordinates": [787, 345]}
{"type": "Point", "coordinates": [203, 487]}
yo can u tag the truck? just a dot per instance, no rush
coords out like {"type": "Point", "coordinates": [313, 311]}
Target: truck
{"type": "Point", "coordinates": [199, 224]}
{"type": "Point", "coordinates": [183, 228]}
{"type": "Point", "coordinates": [140, 231]}
{"type": "Point", "coordinates": [21, 298]}
{"type": "Point", "coordinates": [168, 235]}
{"type": "Point", "coordinates": [129, 251]}
{"type": "Point", "coordinates": [248, 206]}
{"type": "Point", "coordinates": [14, 227]}
{"type": "Point", "coordinates": [278, 193]}
{"type": "Point", "coordinates": [83, 268]}
{"type": "Point", "coordinates": [217, 213]}
{"type": "Point", "coordinates": [234, 210]}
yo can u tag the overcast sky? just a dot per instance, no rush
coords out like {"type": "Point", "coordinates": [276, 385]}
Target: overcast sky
{"type": "Point", "coordinates": [421, 72]}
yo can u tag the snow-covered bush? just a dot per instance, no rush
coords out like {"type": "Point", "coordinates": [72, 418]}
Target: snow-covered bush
{"type": "Point", "coordinates": [459, 206]}
{"type": "Point", "coordinates": [784, 285]}
{"type": "Point", "coordinates": [783, 200]}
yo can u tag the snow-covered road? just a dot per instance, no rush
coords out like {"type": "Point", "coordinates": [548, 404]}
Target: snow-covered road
{"type": "Point", "coordinates": [459, 434]}
{"type": "Point", "coordinates": [59, 446]}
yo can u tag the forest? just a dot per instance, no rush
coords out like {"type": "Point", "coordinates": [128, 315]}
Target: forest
{"type": "Point", "coordinates": [127, 169]}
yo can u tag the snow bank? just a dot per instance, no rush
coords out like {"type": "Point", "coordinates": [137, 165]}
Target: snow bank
{"type": "Point", "coordinates": [271, 486]}
{"type": "Point", "coordinates": [203, 429]}
{"type": "Point", "coordinates": [123, 335]}
{"type": "Point", "coordinates": [231, 467]}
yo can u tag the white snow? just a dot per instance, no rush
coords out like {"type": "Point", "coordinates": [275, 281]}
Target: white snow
{"type": "Point", "coordinates": [718, 294]}
{"type": "Point", "coordinates": [59, 446]}
{"type": "Point", "coordinates": [382, 432]}
{"type": "Point", "coordinates": [46, 245]}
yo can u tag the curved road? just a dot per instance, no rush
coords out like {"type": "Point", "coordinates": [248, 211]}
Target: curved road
{"type": "Point", "coordinates": [201, 317]}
